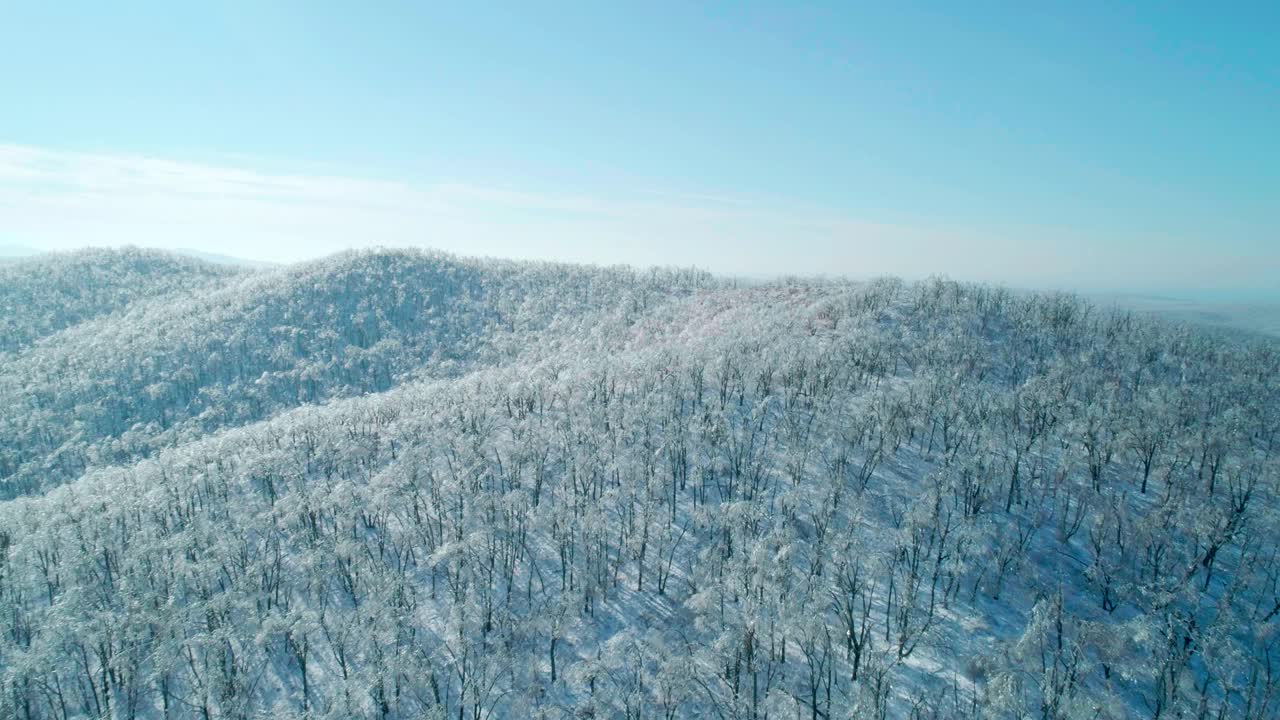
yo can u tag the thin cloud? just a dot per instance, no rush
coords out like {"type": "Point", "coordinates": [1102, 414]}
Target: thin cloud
{"type": "Point", "coordinates": [58, 199]}
{"type": "Point", "coordinates": [67, 199]}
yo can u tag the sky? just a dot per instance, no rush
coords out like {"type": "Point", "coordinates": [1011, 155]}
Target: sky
{"type": "Point", "coordinates": [1087, 146]}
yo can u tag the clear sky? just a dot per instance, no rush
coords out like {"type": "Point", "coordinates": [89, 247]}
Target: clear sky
{"type": "Point", "coordinates": [1088, 146]}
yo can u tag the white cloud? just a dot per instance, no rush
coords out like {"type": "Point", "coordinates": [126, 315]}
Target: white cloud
{"type": "Point", "coordinates": [68, 199]}
{"type": "Point", "coordinates": [58, 199]}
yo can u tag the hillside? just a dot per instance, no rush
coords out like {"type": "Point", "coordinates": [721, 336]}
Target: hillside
{"type": "Point", "coordinates": [117, 387]}
{"type": "Point", "coordinates": [402, 485]}
{"type": "Point", "coordinates": [44, 294]}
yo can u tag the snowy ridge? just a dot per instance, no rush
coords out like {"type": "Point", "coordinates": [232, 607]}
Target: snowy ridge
{"type": "Point", "coordinates": [44, 294]}
{"type": "Point", "coordinates": [164, 371]}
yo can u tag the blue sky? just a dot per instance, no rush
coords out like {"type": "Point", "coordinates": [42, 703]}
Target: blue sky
{"type": "Point", "coordinates": [1085, 146]}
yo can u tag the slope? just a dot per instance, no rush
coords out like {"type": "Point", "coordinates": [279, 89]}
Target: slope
{"type": "Point", "coordinates": [42, 295]}
{"type": "Point", "coordinates": [165, 371]}
{"type": "Point", "coordinates": [808, 499]}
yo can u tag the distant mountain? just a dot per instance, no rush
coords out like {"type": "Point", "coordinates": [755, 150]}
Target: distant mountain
{"type": "Point", "coordinates": [402, 484]}
{"type": "Point", "coordinates": [1253, 316]}
{"type": "Point", "coordinates": [220, 259]}
{"type": "Point", "coordinates": [9, 253]}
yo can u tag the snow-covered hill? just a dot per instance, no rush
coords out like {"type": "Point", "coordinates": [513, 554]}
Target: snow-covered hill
{"type": "Point", "coordinates": [44, 294]}
{"type": "Point", "coordinates": [405, 485]}
{"type": "Point", "coordinates": [152, 374]}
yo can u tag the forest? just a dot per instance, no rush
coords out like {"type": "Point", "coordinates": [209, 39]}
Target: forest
{"type": "Point", "coordinates": [403, 484]}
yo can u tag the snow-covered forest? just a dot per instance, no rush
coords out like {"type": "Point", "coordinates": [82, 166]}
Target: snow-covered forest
{"type": "Point", "coordinates": [401, 484]}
